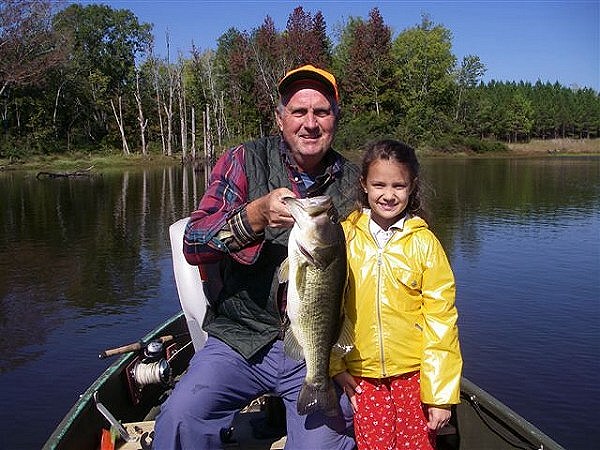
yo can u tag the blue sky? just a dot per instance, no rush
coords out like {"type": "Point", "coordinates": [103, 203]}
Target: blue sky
{"type": "Point", "coordinates": [516, 40]}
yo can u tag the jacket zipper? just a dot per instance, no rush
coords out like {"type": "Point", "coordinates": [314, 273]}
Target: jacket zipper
{"type": "Point", "coordinates": [378, 304]}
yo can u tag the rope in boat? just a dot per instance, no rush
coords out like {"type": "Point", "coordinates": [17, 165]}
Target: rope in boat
{"type": "Point", "coordinates": [473, 401]}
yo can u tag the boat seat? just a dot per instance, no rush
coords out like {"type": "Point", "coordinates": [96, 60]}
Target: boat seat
{"type": "Point", "coordinates": [194, 296]}
{"type": "Point", "coordinates": [193, 292]}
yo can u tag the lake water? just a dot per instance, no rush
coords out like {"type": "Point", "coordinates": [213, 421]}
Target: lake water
{"type": "Point", "coordinates": [85, 265]}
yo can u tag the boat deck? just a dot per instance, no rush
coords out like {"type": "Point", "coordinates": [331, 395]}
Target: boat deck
{"type": "Point", "coordinates": [242, 432]}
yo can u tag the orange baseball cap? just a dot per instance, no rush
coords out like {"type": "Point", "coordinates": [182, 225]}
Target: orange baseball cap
{"type": "Point", "coordinates": [309, 72]}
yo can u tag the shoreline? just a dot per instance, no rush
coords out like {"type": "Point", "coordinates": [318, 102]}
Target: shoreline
{"type": "Point", "coordinates": [81, 161]}
{"type": "Point", "coordinates": [557, 147]}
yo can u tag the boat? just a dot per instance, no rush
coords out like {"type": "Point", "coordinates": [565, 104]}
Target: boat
{"type": "Point", "coordinates": [480, 420]}
{"type": "Point", "coordinates": [118, 410]}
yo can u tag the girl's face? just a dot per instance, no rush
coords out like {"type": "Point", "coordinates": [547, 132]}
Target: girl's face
{"type": "Point", "coordinates": [388, 186]}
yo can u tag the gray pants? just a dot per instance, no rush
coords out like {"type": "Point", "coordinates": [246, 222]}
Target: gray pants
{"type": "Point", "coordinates": [220, 382]}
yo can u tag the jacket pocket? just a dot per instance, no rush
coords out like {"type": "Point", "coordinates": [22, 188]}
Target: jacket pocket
{"type": "Point", "coordinates": [410, 279]}
{"type": "Point", "coordinates": [409, 298]}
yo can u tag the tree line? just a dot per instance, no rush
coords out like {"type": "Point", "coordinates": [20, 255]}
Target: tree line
{"type": "Point", "coordinates": [88, 78]}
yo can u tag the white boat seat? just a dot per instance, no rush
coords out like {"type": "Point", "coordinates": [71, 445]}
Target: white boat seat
{"type": "Point", "coordinates": [194, 296]}
{"type": "Point", "coordinates": [190, 287]}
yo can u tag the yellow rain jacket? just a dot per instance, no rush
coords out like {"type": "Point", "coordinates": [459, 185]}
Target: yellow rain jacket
{"type": "Point", "coordinates": [400, 307]}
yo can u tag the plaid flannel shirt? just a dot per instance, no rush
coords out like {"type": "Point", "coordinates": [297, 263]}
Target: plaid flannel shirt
{"type": "Point", "coordinates": [220, 225]}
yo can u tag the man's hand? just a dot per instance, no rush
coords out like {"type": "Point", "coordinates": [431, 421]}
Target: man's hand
{"type": "Point", "coordinates": [270, 210]}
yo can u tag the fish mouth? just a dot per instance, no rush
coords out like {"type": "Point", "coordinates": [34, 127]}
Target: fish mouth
{"type": "Point", "coordinates": [312, 206]}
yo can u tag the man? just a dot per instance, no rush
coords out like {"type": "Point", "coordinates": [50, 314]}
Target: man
{"type": "Point", "coordinates": [243, 224]}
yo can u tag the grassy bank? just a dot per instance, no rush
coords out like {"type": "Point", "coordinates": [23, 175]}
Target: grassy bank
{"type": "Point", "coordinates": [557, 146]}
{"type": "Point", "coordinates": [82, 161]}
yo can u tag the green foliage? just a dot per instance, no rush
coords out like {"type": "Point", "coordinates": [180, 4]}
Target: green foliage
{"type": "Point", "coordinates": [104, 46]}
{"type": "Point", "coordinates": [11, 148]}
{"type": "Point", "coordinates": [460, 144]}
{"type": "Point", "coordinates": [23, 147]}
{"type": "Point", "coordinates": [408, 86]}
{"type": "Point", "coordinates": [425, 88]}
{"type": "Point", "coordinates": [354, 131]}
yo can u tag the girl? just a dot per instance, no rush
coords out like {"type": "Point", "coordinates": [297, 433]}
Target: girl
{"type": "Point", "coordinates": [403, 374]}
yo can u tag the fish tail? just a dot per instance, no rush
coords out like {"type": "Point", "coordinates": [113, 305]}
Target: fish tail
{"type": "Point", "coordinates": [313, 397]}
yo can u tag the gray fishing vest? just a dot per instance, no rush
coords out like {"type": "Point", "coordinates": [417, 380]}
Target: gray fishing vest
{"type": "Point", "coordinates": [245, 314]}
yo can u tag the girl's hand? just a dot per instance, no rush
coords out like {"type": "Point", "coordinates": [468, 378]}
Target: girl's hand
{"type": "Point", "coordinates": [438, 417]}
{"type": "Point", "coordinates": [349, 386]}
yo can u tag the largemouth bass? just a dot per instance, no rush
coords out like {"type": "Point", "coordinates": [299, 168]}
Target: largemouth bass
{"type": "Point", "coordinates": [317, 270]}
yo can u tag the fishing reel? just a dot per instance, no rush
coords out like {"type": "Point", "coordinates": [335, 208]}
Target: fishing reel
{"type": "Point", "coordinates": [151, 367]}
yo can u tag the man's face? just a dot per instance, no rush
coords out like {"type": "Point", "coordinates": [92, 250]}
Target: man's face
{"type": "Point", "coordinates": [308, 126]}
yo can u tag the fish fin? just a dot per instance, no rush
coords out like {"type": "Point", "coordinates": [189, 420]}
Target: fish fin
{"type": "Point", "coordinates": [292, 347]}
{"type": "Point", "coordinates": [345, 341]}
{"type": "Point", "coordinates": [313, 397]}
{"type": "Point", "coordinates": [284, 271]}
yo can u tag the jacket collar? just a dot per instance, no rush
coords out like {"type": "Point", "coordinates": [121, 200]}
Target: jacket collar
{"type": "Point", "coordinates": [361, 220]}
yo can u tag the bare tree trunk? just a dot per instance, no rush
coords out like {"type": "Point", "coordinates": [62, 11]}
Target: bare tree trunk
{"type": "Point", "coordinates": [17, 114]}
{"type": "Point", "coordinates": [169, 112]}
{"type": "Point", "coordinates": [5, 110]}
{"type": "Point", "coordinates": [56, 98]}
{"type": "Point", "coordinates": [182, 110]}
{"type": "Point", "coordinates": [159, 107]}
{"type": "Point", "coordinates": [141, 120]}
{"type": "Point", "coordinates": [208, 87]}
{"type": "Point", "coordinates": [458, 103]}
{"type": "Point", "coordinates": [225, 128]}
{"type": "Point", "coordinates": [208, 150]}
{"type": "Point", "coordinates": [268, 79]}
{"type": "Point", "coordinates": [193, 149]}
{"type": "Point", "coordinates": [119, 119]}
{"type": "Point", "coordinates": [169, 106]}
{"type": "Point", "coordinates": [214, 97]}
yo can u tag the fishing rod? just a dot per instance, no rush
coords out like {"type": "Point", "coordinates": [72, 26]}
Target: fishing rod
{"type": "Point", "coordinates": [137, 346]}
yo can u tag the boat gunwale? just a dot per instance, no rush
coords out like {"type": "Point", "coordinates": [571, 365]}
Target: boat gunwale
{"type": "Point", "coordinates": [88, 396]}
{"type": "Point", "coordinates": [480, 399]}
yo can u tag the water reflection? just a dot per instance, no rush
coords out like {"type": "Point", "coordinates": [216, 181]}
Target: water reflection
{"type": "Point", "coordinates": [85, 243]}
{"type": "Point", "coordinates": [465, 193]}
